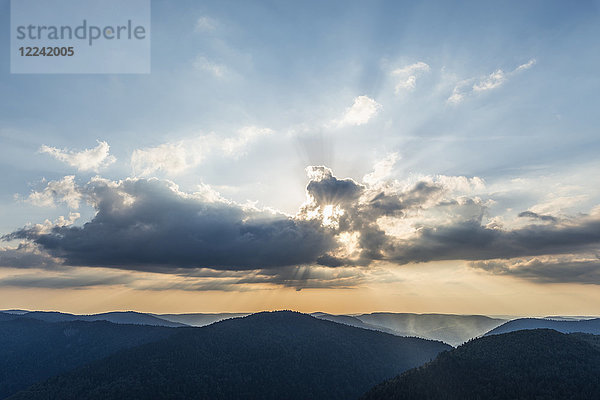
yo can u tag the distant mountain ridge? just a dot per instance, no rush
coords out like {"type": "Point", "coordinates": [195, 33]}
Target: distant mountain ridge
{"type": "Point", "coordinates": [198, 319]}
{"type": "Point", "coordinates": [353, 321]}
{"type": "Point", "coordinates": [117, 317]}
{"type": "Point", "coordinates": [269, 355]}
{"type": "Point", "coordinates": [539, 364]}
{"type": "Point", "coordinates": [449, 328]}
{"type": "Point", "coordinates": [591, 326]}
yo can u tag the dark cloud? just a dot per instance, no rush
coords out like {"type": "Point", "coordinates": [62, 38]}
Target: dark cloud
{"type": "Point", "coordinates": [392, 203]}
{"type": "Point", "coordinates": [545, 271]}
{"type": "Point", "coordinates": [27, 255]}
{"type": "Point", "coordinates": [469, 240]}
{"type": "Point", "coordinates": [73, 280]}
{"type": "Point", "coordinates": [533, 215]}
{"type": "Point", "coordinates": [326, 189]}
{"type": "Point", "coordinates": [299, 277]}
{"type": "Point", "coordinates": [144, 223]}
{"type": "Point", "coordinates": [305, 277]}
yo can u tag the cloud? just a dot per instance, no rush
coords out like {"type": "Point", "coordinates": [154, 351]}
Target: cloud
{"type": "Point", "coordinates": [86, 160]}
{"type": "Point", "coordinates": [431, 219]}
{"type": "Point", "coordinates": [533, 215]}
{"type": "Point", "coordinates": [204, 64]}
{"type": "Point", "coordinates": [81, 277]}
{"type": "Point", "coordinates": [326, 189]}
{"type": "Point", "coordinates": [143, 224]}
{"type": "Point", "coordinates": [64, 280]}
{"type": "Point", "coordinates": [382, 169]}
{"type": "Point", "coordinates": [559, 204]}
{"type": "Point", "coordinates": [494, 80]}
{"type": "Point", "coordinates": [525, 66]}
{"type": "Point", "coordinates": [407, 76]}
{"type": "Point", "coordinates": [469, 240]}
{"type": "Point", "coordinates": [150, 225]}
{"type": "Point", "coordinates": [362, 111]}
{"type": "Point", "coordinates": [459, 92]}
{"type": "Point", "coordinates": [27, 255]}
{"type": "Point", "coordinates": [563, 269]}
{"type": "Point", "coordinates": [355, 210]}
{"type": "Point", "coordinates": [298, 277]}
{"type": "Point", "coordinates": [176, 157]}
{"type": "Point", "coordinates": [64, 191]}
{"type": "Point", "coordinates": [205, 24]}
{"type": "Point", "coordinates": [310, 277]}
{"type": "Point", "coordinates": [172, 158]}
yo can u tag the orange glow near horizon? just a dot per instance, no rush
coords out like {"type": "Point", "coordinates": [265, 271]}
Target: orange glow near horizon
{"type": "Point", "coordinates": [426, 288]}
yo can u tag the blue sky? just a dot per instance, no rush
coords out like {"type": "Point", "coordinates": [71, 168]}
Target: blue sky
{"type": "Point", "coordinates": [244, 96]}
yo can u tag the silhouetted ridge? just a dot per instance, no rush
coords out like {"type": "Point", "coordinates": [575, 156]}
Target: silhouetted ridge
{"type": "Point", "coordinates": [565, 326]}
{"type": "Point", "coordinates": [268, 355]}
{"type": "Point", "coordinates": [198, 319]}
{"type": "Point", "coordinates": [531, 364]}
{"type": "Point", "coordinates": [117, 317]}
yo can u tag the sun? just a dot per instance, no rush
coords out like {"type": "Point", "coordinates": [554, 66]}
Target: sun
{"type": "Point", "coordinates": [330, 215]}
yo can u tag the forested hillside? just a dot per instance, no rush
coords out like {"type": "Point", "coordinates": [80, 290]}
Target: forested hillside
{"type": "Point", "coordinates": [274, 355]}
{"type": "Point", "coordinates": [530, 364]}
{"type": "Point", "coordinates": [33, 350]}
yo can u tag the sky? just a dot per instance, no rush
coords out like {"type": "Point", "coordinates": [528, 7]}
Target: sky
{"type": "Point", "coordinates": [339, 156]}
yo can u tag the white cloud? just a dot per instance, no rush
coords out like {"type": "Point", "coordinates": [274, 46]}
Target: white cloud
{"type": "Point", "coordinates": [458, 93]}
{"type": "Point", "coordinates": [496, 79]}
{"type": "Point", "coordinates": [461, 184]}
{"type": "Point", "coordinates": [86, 160]}
{"type": "Point", "coordinates": [382, 169]}
{"type": "Point", "coordinates": [63, 191]}
{"type": "Point", "coordinates": [172, 158]}
{"type": "Point", "coordinates": [204, 64]}
{"type": "Point", "coordinates": [205, 24]}
{"type": "Point", "coordinates": [526, 66]}
{"type": "Point", "coordinates": [492, 81]}
{"type": "Point", "coordinates": [558, 204]}
{"type": "Point", "coordinates": [175, 157]}
{"type": "Point", "coordinates": [363, 109]}
{"type": "Point", "coordinates": [207, 193]}
{"type": "Point", "coordinates": [407, 76]}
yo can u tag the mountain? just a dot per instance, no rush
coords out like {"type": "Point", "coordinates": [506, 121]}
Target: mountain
{"type": "Point", "coordinates": [568, 318]}
{"type": "Point", "coordinates": [586, 326]}
{"type": "Point", "coordinates": [131, 317]}
{"type": "Point", "coordinates": [451, 329]}
{"type": "Point", "coordinates": [32, 350]}
{"type": "Point", "coordinates": [352, 321]}
{"type": "Point", "coordinates": [198, 319]}
{"type": "Point", "coordinates": [117, 317]}
{"type": "Point", "coordinates": [269, 355]}
{"type": "Point", "coordinates": [537, 364]}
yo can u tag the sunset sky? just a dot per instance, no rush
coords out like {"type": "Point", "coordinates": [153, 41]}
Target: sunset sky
{"type": "Point", "coordinates": [332, 156]}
